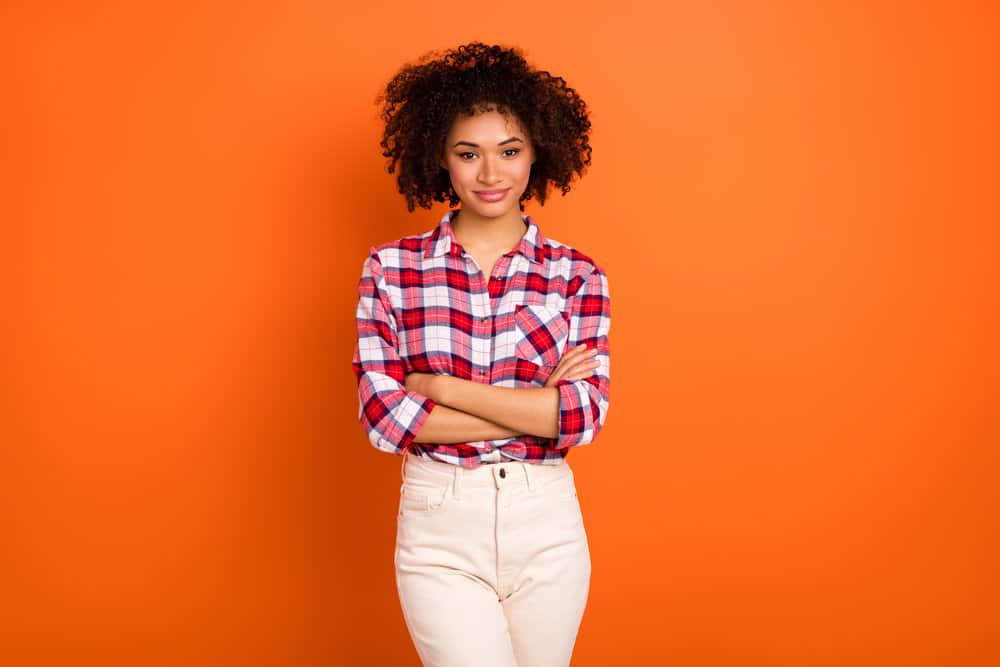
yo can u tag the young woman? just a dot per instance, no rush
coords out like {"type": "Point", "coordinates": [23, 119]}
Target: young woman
{"type": "Point", "coordinates": [482, 358]}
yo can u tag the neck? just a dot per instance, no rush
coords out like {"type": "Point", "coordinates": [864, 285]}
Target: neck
{"type": "Point", "coordinates": [475, 231]}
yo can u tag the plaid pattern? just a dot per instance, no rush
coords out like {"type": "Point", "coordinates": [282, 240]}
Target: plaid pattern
{"type": "Point", "coordinates": [425, 306]}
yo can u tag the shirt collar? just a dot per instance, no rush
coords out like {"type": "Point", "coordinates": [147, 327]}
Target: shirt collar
{"type": "Point", "coordinates": [442, 240]}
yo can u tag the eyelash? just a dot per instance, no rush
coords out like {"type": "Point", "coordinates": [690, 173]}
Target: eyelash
{"type": "Point", "coordinates": [516, 151]}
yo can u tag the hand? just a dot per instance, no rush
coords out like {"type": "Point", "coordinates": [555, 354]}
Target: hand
{"type": "Point", "coordinates": [576, 364]}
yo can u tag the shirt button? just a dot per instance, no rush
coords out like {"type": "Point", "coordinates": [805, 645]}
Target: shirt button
{"type": "Point", "coordinates": [484, 319]}
{"type": "Point", "coordinates": [503, 473]}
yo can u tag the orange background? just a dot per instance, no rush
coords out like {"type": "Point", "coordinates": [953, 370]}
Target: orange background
{"type": "Point", "coordinates": [796, 207]}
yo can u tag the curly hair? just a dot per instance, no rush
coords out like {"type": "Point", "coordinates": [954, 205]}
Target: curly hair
{"type": "Point", "coordinates": [423, 99]}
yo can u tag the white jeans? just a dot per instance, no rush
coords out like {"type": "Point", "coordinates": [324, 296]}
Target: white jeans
{"type": "Point", "coordinates": [492, 564]}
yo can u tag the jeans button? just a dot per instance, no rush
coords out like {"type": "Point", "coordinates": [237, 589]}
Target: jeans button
{"type": "Point", "coordinates": [503, 473]}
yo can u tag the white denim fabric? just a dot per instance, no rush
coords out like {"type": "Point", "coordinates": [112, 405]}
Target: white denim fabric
{"type": "Point", "coordinates": [492, 563]}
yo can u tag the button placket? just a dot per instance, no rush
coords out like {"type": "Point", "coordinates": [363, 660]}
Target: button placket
{"type": "Point", "coordinates": [488, 292]}
{"type": "Point", "coordinates": [484, 326]}
{"type": "Point", "coordinates": [483, 333]}
{"type": "Point", "coordinates": [493, 296]}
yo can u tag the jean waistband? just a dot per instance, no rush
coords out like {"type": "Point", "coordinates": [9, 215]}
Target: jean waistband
{"type": "Point", "coordinates": [494, 474]}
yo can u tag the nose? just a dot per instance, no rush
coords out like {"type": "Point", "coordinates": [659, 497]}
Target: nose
{"type": "Point", "coordinates": [488, 172]}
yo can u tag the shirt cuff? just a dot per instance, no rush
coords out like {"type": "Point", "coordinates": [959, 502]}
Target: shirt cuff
{"type": "Point", "coordinates": [576, 417]}
{"type": "Point", "coordinates": [424, 405]}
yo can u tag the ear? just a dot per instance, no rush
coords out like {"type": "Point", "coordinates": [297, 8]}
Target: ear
{"type": "Point", "coordinates": [444, 165]}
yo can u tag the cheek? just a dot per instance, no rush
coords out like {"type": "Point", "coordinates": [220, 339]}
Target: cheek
{"type": "Point", "coordinates": [461, 174]}
{"type": "Point", "coordinates": [526, 169]}
{"type": "Point", "coordinates": [522, 172]}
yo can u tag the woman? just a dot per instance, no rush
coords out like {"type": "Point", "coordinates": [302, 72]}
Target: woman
{"type": "Point", "coordinates": [482, 358]}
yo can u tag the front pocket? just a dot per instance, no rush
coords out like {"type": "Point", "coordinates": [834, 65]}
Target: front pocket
{"type": "Point", "coordinates": [419, 500]}
{"type": "Point", "coordinates": [562, 487]}
{"type": "Point", "coordinates": [541, 333]}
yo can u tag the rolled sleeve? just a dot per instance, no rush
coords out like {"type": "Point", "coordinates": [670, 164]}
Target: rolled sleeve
{"type": "Point", "coordinates": [583, 404]}
{"type": "Point", "coordinates": [390, 415]}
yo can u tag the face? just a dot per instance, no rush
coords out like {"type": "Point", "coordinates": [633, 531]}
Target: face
{"type": "Point", "coordinates": [488, 157]}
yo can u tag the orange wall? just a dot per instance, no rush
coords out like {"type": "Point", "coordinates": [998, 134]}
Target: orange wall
{"type": "Point", "coordinates": [796, 207]}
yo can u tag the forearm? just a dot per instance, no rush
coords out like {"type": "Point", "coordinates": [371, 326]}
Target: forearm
{"type": "Point", "coordinates": [532, 410]}
{"type": "Point", "coordinates": [447, 425]}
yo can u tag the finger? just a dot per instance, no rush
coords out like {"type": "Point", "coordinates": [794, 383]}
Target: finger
{"type": "Point", "coordinates": [572, 357]}
{"type": "Point", "coordinates": [583, 357]}
{"type": "Point", "coordinates": [554, 377]}
{"type": "Point", "coordinates": [573, 354]}
{"type": "Point", "coordinates": [586, 366]}
{"type": "Point", "coordinates": [562, 369]}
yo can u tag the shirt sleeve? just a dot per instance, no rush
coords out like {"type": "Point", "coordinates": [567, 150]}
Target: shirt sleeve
{"type": "Point", "coordinates": [389, 413]}
{"type": "Point", "coordinates": [583, 404]}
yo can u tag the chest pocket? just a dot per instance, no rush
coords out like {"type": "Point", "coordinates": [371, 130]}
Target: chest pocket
{"type": "Point", "coordinates": [541, 333]}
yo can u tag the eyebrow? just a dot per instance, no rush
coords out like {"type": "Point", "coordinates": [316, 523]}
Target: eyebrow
{"type": "Point", "coordinates": [469, 143]}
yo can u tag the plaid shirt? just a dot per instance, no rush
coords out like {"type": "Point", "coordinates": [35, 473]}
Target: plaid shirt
{"type": "Point", "coordinates": [425, 306]}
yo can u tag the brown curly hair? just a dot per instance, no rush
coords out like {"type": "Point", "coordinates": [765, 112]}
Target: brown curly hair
{"type": "Point", "coordinates": [423, 99]}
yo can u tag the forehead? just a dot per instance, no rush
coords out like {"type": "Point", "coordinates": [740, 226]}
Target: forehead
{"type": "Point", "coordinates": [488, 126]}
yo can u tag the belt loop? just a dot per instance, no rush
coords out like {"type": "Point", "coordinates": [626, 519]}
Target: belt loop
{"type": "Point", "coordinates": [527, 475]}
{"type": "Point", "coordinates": [403, 467]}
{"type": "Point", "coordinates": [458, 481]}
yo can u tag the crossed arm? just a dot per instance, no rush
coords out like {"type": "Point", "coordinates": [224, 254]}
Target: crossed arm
{"type": "Point", "coordinates": [468, 411]}
{"type": "Point", "coordinates": [397, 408]}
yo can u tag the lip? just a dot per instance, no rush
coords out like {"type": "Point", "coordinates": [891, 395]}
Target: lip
{"type": "Point", "coordinates": [492, 195]}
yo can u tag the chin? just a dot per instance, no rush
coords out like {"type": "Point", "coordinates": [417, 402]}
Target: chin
{"type": "Point", "coordinates": [492, 212]}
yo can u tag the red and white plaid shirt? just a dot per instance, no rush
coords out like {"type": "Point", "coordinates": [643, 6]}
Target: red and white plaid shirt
{"type": "Point", "coordinates": [425, 306]}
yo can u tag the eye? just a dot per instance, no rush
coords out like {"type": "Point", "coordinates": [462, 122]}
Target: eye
{"type": "Point", "coordinates": [465, 154]}
{"type": "Point", "coordinates": [515, 151]}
